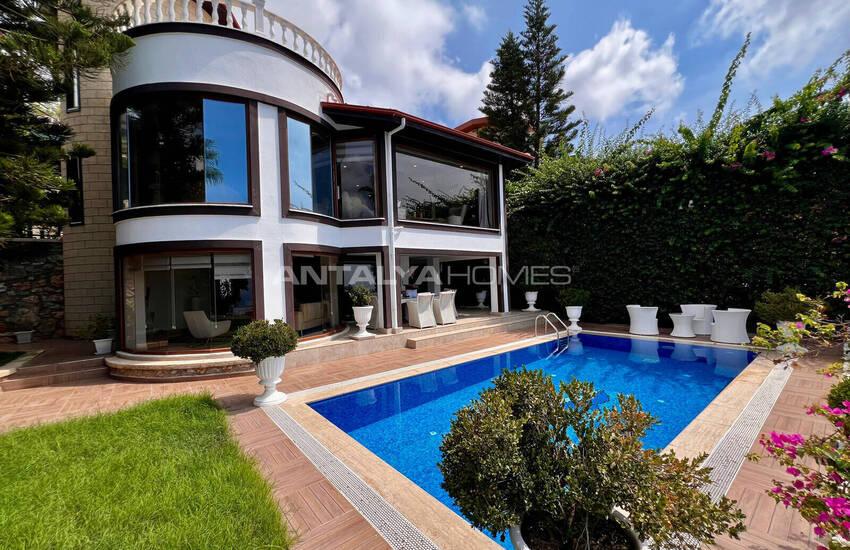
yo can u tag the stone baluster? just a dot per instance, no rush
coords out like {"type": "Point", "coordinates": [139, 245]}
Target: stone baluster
{"type": "Point", "coordinates": [184, 10]}
{"type": "Point", "coordinates": [271, 26]}
{"type": "Point", "coordinates": [229, 6]}
{"type": "Point", "coordinates": [171, 15]}
{"type": "Point", "coordinates": [259, 15]}
{"type": "Point", "coordinates": [243, 24]}
{"type": "Point", "coordinates": [199, 17]}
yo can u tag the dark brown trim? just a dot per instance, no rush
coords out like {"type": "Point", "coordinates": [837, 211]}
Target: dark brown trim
{"type": "Point", "coordinates": [235, 34]}
{"type": "Point", "coordinates": [212, 209]}
{"type": "Point", "coordinates": [252, 146]}
{"type": "Point", "coordinates": [499, 282]}
{"type": "Point", "coordinates": [198, 247]}
{"type": "Point", "coordinates": [283, 150]}
{"type": "Point", "coordinates": [218, 89]}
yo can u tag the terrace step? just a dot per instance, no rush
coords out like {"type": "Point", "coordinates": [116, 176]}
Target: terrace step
{"type": "Point", "coordinates": [55, 373]}
{"type": "Point", "coordinates": [175, 368]}
{"type": "Point", "coordinates": [463, 332]}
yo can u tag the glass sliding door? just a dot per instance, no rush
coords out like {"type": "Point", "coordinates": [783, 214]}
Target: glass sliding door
{"type": "Point", "coordinates": [314, 293]}
{"type": "Point", "coordinates": [185, 301]}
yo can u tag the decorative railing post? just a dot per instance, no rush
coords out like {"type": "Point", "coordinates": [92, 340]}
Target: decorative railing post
{"type": "Point", "coordinates": [259, 10]}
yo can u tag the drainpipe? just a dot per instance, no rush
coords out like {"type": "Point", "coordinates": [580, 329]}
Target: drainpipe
{"type": "Point", "coordinates": [389, 162]}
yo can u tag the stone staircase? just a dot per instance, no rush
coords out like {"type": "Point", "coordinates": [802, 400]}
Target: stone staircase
{"type": "Point", "coordinates": [57, 373]}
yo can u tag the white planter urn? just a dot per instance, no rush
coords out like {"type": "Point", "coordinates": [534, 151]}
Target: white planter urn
{"type": "Point", "coordinates": [362, 314]}
{"type": "Point", "coordinates": [531, 297]}
{"type": "Point", "coordinates": [102, 346]}
{"type": "Point", "coordinates": [481, 296]}
{"type": "Point", "coordinates": [574, 314]}
{"type": "Point", "coordinates": [23, 336]}
{"type": "Point", "coordinates": [269, 371]}
{"type": "Point", "coordinates": [516, 538]}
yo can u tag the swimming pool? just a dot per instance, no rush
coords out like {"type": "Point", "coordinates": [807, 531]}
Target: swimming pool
{"type": "Point", "coordinates": [403, 422]}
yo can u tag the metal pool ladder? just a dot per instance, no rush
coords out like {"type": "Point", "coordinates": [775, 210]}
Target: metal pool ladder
{"type": "Point", "coordinates": [548, 322]}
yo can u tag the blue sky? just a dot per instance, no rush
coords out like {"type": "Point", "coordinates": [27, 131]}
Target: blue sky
{"type": "Point", "coordinates": [430, 57]}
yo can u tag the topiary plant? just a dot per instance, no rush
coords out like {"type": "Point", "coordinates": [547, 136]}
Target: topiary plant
{"type": "Point", "coordinates": [839, 394]}
{"type": "Point", "coordinates": [360, 295]}
{"type": "Point", "coordinates": [571, 296]}
{"type": "Point", "coordinates": [774, 307]}
{"type": "Point", "coordinates": [525, 453]}
{"type": "Point", "coordinates": [260, 340]}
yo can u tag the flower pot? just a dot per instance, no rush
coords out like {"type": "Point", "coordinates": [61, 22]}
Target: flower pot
{"type": "Point", "coordinates": [515, 534]}
{"type": "Point", "coordinates": [102, 346]}
{"type": "Point", "coordinates": [362, 314]}
{"type": "Point", "coordinates": [531, 297]}
{"type": "Point", "coordinates": [455, 220]}
{"type": "Point", "coordinates": [516, 538]}
{"type": "Point", "coordinates": [23, 336]}
{"type": "Point", "coordinates": [574, 314]}
{"type": "Point", "coordinates": [269, 371]}
{"type": "Point", "coordinates": [481, 296]}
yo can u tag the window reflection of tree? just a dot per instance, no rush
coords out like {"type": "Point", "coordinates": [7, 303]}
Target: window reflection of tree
{"type": "Point", "coordinates": [441, 205]}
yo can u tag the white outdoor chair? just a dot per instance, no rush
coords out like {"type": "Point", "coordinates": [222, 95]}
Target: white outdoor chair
{"type": "Point", "coordinates": [730, 326]}
{"type": "Point", "coordinates": [444, 311]}
{"type": "Point", "coordinates": [702, 316]}
{"type": "Point", "coordinates": [642, 320]}
{"type": "Point", "coordinates": [421, 313]}
{"type": "Point", "coordinates": [202, 328]}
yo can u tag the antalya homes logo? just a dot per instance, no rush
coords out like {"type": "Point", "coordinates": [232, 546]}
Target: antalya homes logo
{"type": "Point", "coordinates": [445, 275]}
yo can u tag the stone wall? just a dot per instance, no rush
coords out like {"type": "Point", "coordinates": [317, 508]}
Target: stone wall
{"type": "Point", "coordinates": [32, 289]}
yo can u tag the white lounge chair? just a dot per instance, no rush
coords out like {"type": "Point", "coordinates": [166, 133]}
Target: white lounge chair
{"type": "Point", "coordinates": [202, 328]}
{"type": "Point", "coordinates": [643, 319]}
{"type": "Point", "coordinates": [421, 313]}
{"type": "Point", "coordinates": [730, 326]}
{"type": "Point", "coordinates": [702, 316]}
{"type": "Point", "coordinates": [444, 310]}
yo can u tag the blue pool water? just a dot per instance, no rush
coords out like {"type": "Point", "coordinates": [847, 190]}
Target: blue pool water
{"type": "Point", "coordinates": [403, 422]}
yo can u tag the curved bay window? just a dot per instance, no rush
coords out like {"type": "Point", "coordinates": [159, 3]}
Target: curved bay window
{"type": "Point", "coordinates": [437, 190]}
{"type": "Point", "coordinates": [182, 148]}
{"type": "Point", "coordinates": [185, 301]}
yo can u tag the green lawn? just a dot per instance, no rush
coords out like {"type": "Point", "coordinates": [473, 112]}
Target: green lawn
{"type": "Point", "coordinates": [9, 356]}
{"type": "Point", "coordinates": [164, 474]}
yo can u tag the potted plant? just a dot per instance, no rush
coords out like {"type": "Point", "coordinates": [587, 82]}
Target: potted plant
{"type": "Point", "coordinates": [530, 294]}
{"type": "Point", "coordinates": [100, 331]}
{"type": "Point", "coordinates": [480, 296]}
{"type": "Point", "coordinates": [266, 345]}
{"type": "Point", "coordinates": [556, 470]}
{"type": "Point", "coordinates": [573, 299]}
{"type": "Point", "coordinates": [361, 302]}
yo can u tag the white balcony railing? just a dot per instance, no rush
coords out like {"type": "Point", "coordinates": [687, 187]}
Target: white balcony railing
{"type": "Point", "coordinates": [235, 14]}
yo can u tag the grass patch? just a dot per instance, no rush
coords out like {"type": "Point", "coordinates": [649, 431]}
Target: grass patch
{"type": "Point", "coordinates": [9, 356]}
{"type": "Point", "coordinates": [164, 474]}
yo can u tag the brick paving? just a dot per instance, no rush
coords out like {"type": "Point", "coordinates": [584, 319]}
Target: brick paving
{"type": "Point", "coordinates": [321, 517]}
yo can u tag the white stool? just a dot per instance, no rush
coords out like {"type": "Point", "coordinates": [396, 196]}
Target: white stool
{"type": "Point", "coordinates": [682, 325]}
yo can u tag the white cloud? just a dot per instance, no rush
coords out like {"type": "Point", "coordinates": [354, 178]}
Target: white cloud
{"type": "Point", "coordinates": [622, 73]}
{"type": "Point", "coordinates": [391, 53]}
{"type": "Point", "coordinates": [475, 15]}
{"type": "Point", "coordinates": [786, 33]}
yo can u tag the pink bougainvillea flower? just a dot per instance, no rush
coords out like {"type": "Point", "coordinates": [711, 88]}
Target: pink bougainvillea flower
{"type": "Point", "coordinates": [597, 171]}
{"type": "Point", "coordinates": [829, 151]}
{"type": "Point", "coordinates": [820, 532]}
{"type": "Point", "coordinates": [793, 471]}
{"type": "Point", "coordinates": [799, 324]}
{"type": "Point", "coordinates": [769, 155]}
{"type": "Point", "coordinates": [805, 119]}
{"type": "Point", "coordinates": [648, 152]}
{"type": "Point", "coordinates": [842, 91]}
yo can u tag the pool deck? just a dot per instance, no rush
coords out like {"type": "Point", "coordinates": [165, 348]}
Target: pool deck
{"type": "Point", "coordinates": [324, 517]}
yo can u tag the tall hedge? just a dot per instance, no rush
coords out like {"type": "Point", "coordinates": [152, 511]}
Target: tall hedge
{"type": "Point", "coordinates": [703, 216]}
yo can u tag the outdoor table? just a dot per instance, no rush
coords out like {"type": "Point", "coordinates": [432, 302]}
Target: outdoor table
{"type": "Point", "coordinates": [682, 325]}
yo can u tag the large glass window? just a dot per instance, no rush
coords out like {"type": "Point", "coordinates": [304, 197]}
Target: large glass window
{"type": "Point", "coordinates": [185, 301]}
{"type": "Point", "coordinates": [355, 165]}
{"type": "Point", "coordinates": [437, 190]}
{"type": "Point", "coordinates": [74, 173]}
{"type": "Point", "coordinates": [182, 148]}
{"type": "Point", "coordinates": [310, 168]}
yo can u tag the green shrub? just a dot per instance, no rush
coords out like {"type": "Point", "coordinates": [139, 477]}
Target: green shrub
{"type": "Point", "coordinates": [99, 327]}
{"type": "Point", "coordinates": [260, 340]}
{"type": "Point", "coordinates": [839, 394]}
{"type": "Point", "coordinates": [360, 295]}
{"type": "Point", "coordinates": [525, 453]}
{"type": "Point", "coordinates": [573, 297]}
{"type": "Point", "coordinates": [774, 307]}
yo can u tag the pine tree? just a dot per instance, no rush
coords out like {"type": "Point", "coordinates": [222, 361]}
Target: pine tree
{"type": "Point", "coordinates": [42, 44]}
{"type": "Point", "coordinates": [505, 99]}
{"type": "Point", "coordinates": [548, 116]}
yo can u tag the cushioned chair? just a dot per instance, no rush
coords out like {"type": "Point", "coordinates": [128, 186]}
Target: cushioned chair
{"type": "Point", "coordinates": [202, 328]}
{"type": "Point", "coordinates": [309, 315]}
{"type": "Point", "coordinates": [643, 319]}
{"type": "Point", "coordinates": [420, 313]}
{"type": "Point", "coordinates": [444, 309]}
{"type": "Point", "coordinates": [730, 326]}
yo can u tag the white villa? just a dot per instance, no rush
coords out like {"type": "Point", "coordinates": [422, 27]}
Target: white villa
{"type": "Point", "coordinates": [236, 167]}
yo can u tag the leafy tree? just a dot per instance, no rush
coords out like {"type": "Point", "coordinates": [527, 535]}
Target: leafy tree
{"type": "Point", "coordinates": [547, 112]}
{"type": "Point", "coordinates": [506, 97]}
{"type": "Point", "coordinates": [42, 44]}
